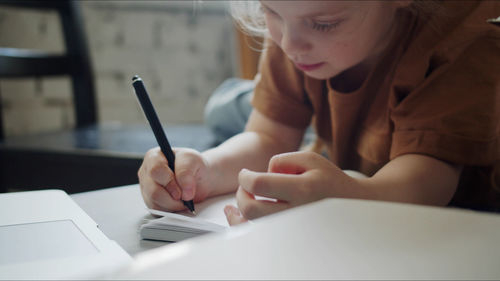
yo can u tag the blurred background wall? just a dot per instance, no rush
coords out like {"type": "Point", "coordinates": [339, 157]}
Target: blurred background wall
{"type": "Point", "coordinates": [182, 49]}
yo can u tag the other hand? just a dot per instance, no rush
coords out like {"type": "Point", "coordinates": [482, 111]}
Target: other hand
{"type": "Point", "coordinates": [292, 179]}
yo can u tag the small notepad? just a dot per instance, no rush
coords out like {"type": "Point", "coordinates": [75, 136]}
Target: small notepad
{"type": "Point", "coordinates": [174, 227]}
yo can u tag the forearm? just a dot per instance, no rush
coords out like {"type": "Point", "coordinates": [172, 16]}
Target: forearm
{"type": "Point", "coordinates": [250, 150]}
{"type": "Point", "coordinates": [411, 179]}
{"type": "Point", "coordinates": [263, 138]}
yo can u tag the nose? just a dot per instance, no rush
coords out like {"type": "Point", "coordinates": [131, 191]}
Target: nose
{"type": "Point", "coordinates": [293, 42]}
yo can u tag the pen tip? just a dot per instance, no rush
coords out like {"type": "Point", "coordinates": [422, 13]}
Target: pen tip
{"type": "Point", "coordinates": [135, 78]}
{"type": "Point", "coordinates": [193, 212]}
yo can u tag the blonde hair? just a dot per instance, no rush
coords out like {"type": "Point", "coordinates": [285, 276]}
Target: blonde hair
{"type": "Point", "coordinates": [249, 17]}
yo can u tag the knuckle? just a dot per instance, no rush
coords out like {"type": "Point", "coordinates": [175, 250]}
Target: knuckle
{"type": "Point", "coordinates": [155, 169]}
{"type": "Point", "coordinates": [251, 182]}
{"type": "Point", "coordinates": [160, 173]}
{"type": "Point", "coordinates": [152, 153]}
{"type": "Point", "coordinates": [257, 184]}
{"type": "Point", "coordinates": [171, 187]}
{"type": "Point", "coordinates": [248, 210]}
{"type": "Point", "coordinates": [274, 161]}
{"type": "Point", "coordinates": [304, 192]}
{"type": "Point", "coordinates": [275, 158]}
{"type": "Point", "coordinates": [187, 157]}
{"type": "Point", "coordinates": [310, 155]}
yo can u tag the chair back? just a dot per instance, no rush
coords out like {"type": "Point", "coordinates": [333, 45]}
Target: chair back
{"type": "Point", "coordinates": [75, 62]}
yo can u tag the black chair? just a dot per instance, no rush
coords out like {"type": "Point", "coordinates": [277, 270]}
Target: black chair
{"type": "Point", "coordinates": [91, 156]}
{"type": "Point", "coordinates": [75, 62]}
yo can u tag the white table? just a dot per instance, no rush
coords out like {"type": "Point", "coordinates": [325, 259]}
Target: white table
{"type": "Point", "coordinates": [119, 212]}
{"type": "Point", "coordinates": [330, 239]}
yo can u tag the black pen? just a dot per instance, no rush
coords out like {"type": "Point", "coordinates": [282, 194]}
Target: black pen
{"type": "Point", "coordinates": [161, 138]}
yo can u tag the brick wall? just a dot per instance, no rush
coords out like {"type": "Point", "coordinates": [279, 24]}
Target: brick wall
{"type": "Point", "coordinates": [182, 49]}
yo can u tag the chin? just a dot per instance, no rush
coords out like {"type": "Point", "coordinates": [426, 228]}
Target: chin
{"type": "Point", "coordinates": [319, 76]}
{"type": "Point", "coordinates": [322, 74]}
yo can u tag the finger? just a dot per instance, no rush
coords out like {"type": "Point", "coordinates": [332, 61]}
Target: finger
{"type": "Point", "coordinates": [283, 187]}
{"type": "Point", "coordinates": [187, 184]}
{"type": "Point", "coordinates": [295, 162]}
{"type": "Point", "coordinates": [154, 157]}
{"type": "Point", "coordinates": [187, 165]}
{"type": "Point", "coordinates": [156, 167]}
{"type": "Point", "coordinates": [252, 208]}
{"type": "Point", "coordinates": [160, 173]}
{"type": "Point", "coordinates": [156, 197]}
{"type": "Point", "coordinates": [163, 176]}
{"type": "Point", "coordinates": [233, 215]}
{"type": "Point", "coordinates": [157, 187]}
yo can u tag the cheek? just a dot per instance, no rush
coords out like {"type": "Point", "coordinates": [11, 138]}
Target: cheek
{"type": "Point", "coordinates": [341, 54]}
{"type": "Point", "coordinates": [274, 30]}
{"type": "Point", "coordinates": [349, 51]}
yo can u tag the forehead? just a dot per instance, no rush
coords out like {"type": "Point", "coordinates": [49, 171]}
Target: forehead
{"type": "Point", "coordinates": [307, 8]}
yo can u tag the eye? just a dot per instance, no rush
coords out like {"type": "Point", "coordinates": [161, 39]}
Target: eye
{"type": "Point", "coordinates": [324, 27]}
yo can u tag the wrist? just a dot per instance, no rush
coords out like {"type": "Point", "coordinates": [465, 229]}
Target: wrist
{"type": "Point", "coordinates": [359, 187]}
{"type": "Point", "coordinates": [210, 176]}
{"type": "Point", "coordinates": [216, 176]}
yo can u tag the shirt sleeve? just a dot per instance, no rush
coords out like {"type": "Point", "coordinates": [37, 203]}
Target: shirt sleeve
{"type": "Point", "coordinates": [454, 115]}
{"type": "Point", "coordinates": [279, 93]}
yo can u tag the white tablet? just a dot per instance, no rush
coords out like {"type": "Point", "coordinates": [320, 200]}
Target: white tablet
{"type": "Point", "coordinates": [46, 235]}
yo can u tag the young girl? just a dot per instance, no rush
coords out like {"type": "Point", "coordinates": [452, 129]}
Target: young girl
{"type": "Point", "coordinates": [406, 92]}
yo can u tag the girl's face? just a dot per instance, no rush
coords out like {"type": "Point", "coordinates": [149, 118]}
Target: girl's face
{"type": "Point", "coordinates": [324, 38]}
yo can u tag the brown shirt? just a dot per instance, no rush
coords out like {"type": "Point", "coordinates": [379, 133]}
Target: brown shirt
{"type": "Point", "coordinates": [435, 91]}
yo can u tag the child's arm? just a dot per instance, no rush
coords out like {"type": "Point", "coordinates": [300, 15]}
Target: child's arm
{"type": "Point", "coordinates": [251, 149]}
{"type": "Point", "coordinates": [415, 178]}
{"type": "Point", "coordinates": [302, 177]}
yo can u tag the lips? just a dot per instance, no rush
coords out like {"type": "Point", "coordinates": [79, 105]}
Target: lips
{"type": "Point", "coordinates": [309, 67]}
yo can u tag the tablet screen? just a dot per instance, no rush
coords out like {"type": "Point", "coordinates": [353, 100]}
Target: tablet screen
{"type": "Point", "coordinates": [42, 240]}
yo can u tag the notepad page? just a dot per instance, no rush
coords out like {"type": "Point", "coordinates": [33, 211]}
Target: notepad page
{"type": "Point", "coordinates": [209, 217]}
{"type": "Point", "coordinates": [179, 222]}
{"type": "Point", "coordinates": [212, 209]}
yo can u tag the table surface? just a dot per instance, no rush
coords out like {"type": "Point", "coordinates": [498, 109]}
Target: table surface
{"type": "Point", "coordinates": [119, 212]}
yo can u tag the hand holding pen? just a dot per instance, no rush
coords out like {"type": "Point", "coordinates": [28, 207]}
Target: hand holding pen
{"type": "Point", "coordinates": [158, 131]}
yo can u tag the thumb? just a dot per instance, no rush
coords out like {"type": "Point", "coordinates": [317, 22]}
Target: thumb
{"type": "Point", "coordinates": [188, 163]}
{"type": "Point", "coordinates": [293, 162]}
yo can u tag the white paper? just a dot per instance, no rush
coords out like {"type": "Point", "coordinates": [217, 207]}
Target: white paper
{"type": "Point", "coordinates": [178, 226]}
